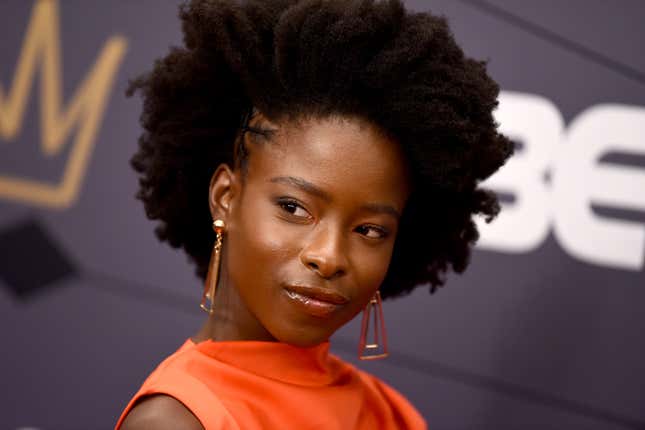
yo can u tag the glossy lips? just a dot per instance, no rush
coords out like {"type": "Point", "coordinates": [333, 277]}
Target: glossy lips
{"type": "Point", "coordinates": [319, 302]}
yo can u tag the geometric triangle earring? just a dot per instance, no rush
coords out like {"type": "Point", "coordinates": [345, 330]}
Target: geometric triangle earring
{"type": "Point", "coordinates": [376, 347]}
{"type": "Point", "coordinates": [210, 285]}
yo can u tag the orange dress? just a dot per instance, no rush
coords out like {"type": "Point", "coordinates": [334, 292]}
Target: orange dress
{"type": "Point", "coordinates": [271, 385]}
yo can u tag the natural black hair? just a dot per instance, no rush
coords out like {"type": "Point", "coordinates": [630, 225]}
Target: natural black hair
{"type": "Point", "coordinates": [399, 70]}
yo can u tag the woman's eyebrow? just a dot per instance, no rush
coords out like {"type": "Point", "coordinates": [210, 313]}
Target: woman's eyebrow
{"type": "Point", "coordinates": [310, 188]}
{"type": "Point", "coordinates": [382, 208]}
{"type": "Point", "coordinates": [305, 186]}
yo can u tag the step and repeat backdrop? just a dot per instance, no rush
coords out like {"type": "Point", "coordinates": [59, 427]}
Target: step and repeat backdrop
{"type": "Point", "coordinates": [546, 329]}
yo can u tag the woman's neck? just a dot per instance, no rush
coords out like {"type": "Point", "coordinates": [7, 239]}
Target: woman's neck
{"type": "Point", "coordinates": [231, 319]}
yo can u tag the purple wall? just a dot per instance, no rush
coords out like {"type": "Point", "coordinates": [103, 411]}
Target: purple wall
{"type": "Point", "coordinates": [545, 330]}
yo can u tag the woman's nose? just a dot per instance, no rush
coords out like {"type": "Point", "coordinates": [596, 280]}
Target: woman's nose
{"type": "Point", "coordinates": [324, 253]}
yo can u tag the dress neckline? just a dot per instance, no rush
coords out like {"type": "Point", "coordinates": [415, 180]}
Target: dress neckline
{"type": "Point", "coordinates": [312, 366]}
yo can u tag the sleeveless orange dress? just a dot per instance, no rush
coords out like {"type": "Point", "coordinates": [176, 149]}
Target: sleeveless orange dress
{"type": "Point", "coordinates": [246, 385]}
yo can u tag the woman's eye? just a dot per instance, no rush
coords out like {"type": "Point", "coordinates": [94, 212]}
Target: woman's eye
{"type": "Point", "coordinates": [293, 208]}
{"type": "Point", "coordinates": [372, 232]}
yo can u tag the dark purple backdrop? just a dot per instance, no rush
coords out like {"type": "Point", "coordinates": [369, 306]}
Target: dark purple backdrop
{"type": "Point", "coordinates": [545, 330]}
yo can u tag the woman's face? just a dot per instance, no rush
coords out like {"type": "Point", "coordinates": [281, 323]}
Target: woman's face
{"type": "Point", "coordinates": [311, 226]}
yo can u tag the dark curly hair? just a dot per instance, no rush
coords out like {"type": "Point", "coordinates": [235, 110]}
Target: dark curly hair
{"type": "Point", "coordinates": [400, 70]}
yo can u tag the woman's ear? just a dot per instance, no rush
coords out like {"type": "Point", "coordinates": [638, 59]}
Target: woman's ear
{"type": "Point", "coordinates": [221, 192]}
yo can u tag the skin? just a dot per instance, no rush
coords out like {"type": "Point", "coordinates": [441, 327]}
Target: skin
{"type": "Point", "coordinates": [318, 206]}
{"type": "Point", "coordinates": [293, 219]}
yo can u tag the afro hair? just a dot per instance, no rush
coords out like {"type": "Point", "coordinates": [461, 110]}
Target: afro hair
{"type": "Point", "coordinates": [400, 70]}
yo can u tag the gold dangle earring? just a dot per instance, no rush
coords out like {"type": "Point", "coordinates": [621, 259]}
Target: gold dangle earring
{"type": "Point", "coordinates": [375, 348]}
{"type": "Point", "coordinates": [210, 285]}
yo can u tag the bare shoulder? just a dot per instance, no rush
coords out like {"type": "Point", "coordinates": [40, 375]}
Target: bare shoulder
{"type": "Point", "coordinates": [160, 412]}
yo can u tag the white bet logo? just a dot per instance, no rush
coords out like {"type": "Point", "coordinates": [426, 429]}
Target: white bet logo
{"type": "Point", "coordinates": [578, 179]}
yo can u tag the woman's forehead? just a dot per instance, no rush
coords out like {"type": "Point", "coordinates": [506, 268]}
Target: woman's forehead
{"type": "Point", "coordinates": [338, 154]}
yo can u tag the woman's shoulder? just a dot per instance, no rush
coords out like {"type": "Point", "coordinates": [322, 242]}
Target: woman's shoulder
{"type": "Point", "coordinates": [404, 412]}
{"type": "Point", "coordinates": [384, 389]}
{"type": "Point", "coordinates": [177, 392]}
{"type": "Point", "coordinates": [161, 412]}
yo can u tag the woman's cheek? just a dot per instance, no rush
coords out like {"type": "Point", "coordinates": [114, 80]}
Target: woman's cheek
{"type": "Point", "coordinates": [373, 266]}
{"type": "Point", "coordinates": [271, 242]}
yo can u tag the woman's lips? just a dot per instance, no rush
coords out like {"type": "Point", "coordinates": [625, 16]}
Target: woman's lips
{"type": "Point", "coordinates": [319, 302]}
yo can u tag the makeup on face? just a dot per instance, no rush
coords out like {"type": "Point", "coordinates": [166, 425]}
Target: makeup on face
{"type": "Point", "coordinates": [313, 231]}
{"type": "Point", "coordinates": [317, 301]}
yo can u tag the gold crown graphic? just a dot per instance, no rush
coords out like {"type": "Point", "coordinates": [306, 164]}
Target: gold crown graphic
{"type": "Point", "coordinates": [41, 48]}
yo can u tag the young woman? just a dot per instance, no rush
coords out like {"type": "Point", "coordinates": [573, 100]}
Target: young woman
{"type": "Point", "coordinates": [311, 157]}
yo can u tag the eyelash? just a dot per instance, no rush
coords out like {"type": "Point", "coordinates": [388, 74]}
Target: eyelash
{"type": "Point", "coordinates": [382, 232]}
{"type": "Point", "coordinates": [283, 203]}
